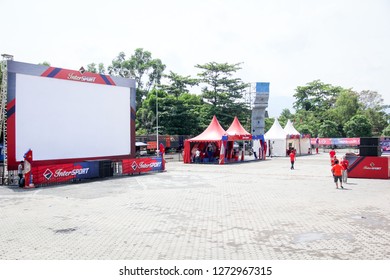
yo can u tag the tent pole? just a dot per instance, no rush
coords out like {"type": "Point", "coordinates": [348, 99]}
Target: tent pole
{"type": "Point", "coordinates": [300, 147]}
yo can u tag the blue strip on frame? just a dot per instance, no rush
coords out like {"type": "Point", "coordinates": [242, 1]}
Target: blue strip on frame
{"type": "Point", "coordinates": [10, 112]}
{"type": "Point", "coordinates": [54, 72]}
{"type": "Point", "coordinates": [105, 79]}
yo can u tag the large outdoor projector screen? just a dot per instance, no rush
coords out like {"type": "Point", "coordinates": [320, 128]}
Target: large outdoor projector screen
{"type": "Point", "coordinates": [61, 119]}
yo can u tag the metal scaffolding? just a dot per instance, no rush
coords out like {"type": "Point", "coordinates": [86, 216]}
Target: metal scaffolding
{"type": "Point", "coordinates": [3, 114]}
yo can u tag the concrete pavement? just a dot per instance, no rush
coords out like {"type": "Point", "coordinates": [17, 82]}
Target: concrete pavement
{"type": "Point", "coordinates": [247, 211]}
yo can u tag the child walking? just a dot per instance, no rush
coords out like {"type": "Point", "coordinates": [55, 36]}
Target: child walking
{"type": "Point", "coordinates": [337, 171]}
{"type": "Point", "coordinates": [292, 158]}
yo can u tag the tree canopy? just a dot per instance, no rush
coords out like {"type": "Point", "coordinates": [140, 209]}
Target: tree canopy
{"type": "Point", "coordinates": [325, 110]}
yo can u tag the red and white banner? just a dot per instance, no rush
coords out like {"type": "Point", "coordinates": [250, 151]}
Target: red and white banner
{"type": "Point", "coordinates": [142, 165]}
{"type": "Point", "coordinates": [335, 141]}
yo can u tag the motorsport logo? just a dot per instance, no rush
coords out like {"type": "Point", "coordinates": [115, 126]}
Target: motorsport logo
{"type": "Point", "coordinates": [372, 167]}
{"type": "Point", "coordinates": [48, 174]}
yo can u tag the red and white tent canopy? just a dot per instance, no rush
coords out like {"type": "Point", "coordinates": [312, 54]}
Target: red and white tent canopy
{"type": "Point", "coordinates": [237, 132]}
{"type": "Point", "coordinates": [212, 133]}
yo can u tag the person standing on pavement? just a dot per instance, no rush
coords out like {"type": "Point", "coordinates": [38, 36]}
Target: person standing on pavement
{"type": "Point", "coordinates": [337, 171]}
{"type": "Point", "coordinates": [345, 164]}
{"type": "Point", "coordinates": [210, 151]}
{"type": "Point", "coordinates": [332, 153]}
{"type": "Point", "coordinates": [197, 156]}
{"type": "Point", "coordinates": [332, 160]}
{"type": "Point", "coordinates": [20, 174]}
{"type": "Point", "coordinates": [292, 158]}
{"type": "Point", "coordinates": [254, 152]}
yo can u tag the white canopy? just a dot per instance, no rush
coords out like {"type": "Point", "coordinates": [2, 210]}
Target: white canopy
{"type": "Point", "coordinates": [279, 141]}
{"type": "Point", "coordinates": [276, 131]}
{"type": "Point", "coordinates": [140, 144]}
{"type": "Point", "coordinates": [276, 139]}
{"type": "Point", "coordinates": [302, 145]}
{"type": "Point", "coordinates": [290, 129]}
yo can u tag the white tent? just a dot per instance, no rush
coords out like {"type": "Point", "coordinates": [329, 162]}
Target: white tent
{"type": "Point", "coordinates": [276, 140]}
{"type": "Point", "coordinates": [295, 140]}
{"type": "Point", "coordinates": [290, 129]}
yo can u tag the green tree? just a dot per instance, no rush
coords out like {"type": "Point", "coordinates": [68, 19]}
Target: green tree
{"type": "Point", "coordinates": [371, 100]}
{"type": "Point", "coordinates": [180, 116]}
{"type": "Point", "coordinates": [146, 114]}
{"type": "Point", "coordinates": [92, 68]}
{"type": "Point", "coordinates": [329, 129]}
{"type": "Point", "coordinates": [386, 131]}
{"type": "Point", "coordinates": [316, 97]}
{"type": "Point", "coordinates": [176, 116]}
{"type": "Point", "coordinates": [358, 126]}
{"type": "Point", "coordinates": [306, 122]}
{"type": "Point", "coordinates": [373, 108]}
{"type": "Point", "coordinates": [305, 129]}
{"type": "Point", "coordinates": [285, 116]}
{"type": "Point", "coordinates": [146, 71]}
{"type": "Point", "coordinates": [268, 122]}
{"type": "Point", "coordinates": [120, 67]}
{"type": "Point", "coordinates": [45, 63]}
{"type": "Point", "coordinates": [223, 93]}
{"type": "Point", "coordinates": [178, 84]}
{"type": "Point", "coordinates": [377, 119]}
{"type": "Point", "coordinates": [347, 105]}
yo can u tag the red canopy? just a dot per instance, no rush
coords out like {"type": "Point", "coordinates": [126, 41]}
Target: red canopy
{"type": "Point", "coordinates": [212, 133]}
{"type": "Point", "coordinates": [237, 132]}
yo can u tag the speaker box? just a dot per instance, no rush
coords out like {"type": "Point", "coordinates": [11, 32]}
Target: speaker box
{"type": "Point", "coordinates": [105, 169]}
{"type": "Point", "coordinates": [369, 141]}
{"type": "Point", "coordinates": [370, 151]}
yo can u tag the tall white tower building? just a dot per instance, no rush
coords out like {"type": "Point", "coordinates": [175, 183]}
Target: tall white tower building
{"type": "Point", "coordinates": [258, 110]}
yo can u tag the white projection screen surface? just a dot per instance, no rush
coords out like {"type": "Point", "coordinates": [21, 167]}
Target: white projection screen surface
{"type": "Point", "coordinates": [61, 119]}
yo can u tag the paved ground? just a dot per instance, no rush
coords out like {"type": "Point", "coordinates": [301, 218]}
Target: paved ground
{"type": "Point", "coordinates": [247, 211]}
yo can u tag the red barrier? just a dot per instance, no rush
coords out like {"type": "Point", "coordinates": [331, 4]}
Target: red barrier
{"type": "Point", "coordinates": [369, 167]}
{"type": "Point", "coordinates": [142, 165]}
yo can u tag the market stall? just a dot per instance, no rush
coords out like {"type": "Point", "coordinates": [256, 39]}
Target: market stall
{"type": "Point", "coordinates": [215, 145]}
{"type": "Point", "coordinates": [295, 140]}
{"type": "Point", "coordinates": [206, 147]}
{"type": "Point", "coordinates": [276, 139]}
{"type": "Point", "coordinates": [236, 132]}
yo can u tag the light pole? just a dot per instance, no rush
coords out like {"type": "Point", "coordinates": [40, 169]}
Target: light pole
{"type": "Point", "coordinates": [157, 148]}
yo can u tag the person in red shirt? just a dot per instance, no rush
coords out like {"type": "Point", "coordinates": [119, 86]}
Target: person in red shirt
{"type": "Point", "coordinates": [333, 160]}
{"type": "Point", "coordinates": [332, 153]}
{"type": "Point", "coordinates": [292, 158]}
{"type": "Point", "coordinates": [337, 171]}
{"type": "Point", "coordinates": [345, 163]}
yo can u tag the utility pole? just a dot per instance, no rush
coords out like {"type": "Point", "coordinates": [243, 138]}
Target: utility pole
{"type": "Point", "coordinates": [158, 147]}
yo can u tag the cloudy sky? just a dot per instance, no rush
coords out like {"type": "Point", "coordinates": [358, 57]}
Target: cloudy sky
{"type": "Point", "coordinates": [285, 42]}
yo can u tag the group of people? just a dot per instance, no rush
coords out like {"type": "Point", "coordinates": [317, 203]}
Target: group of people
{"type": "Point", "coordinates": [339, 169]}
{"type": "Point", "coordinates": [202, 153]}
